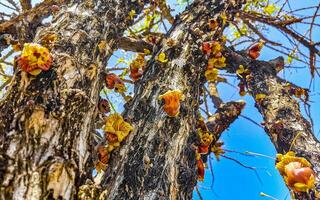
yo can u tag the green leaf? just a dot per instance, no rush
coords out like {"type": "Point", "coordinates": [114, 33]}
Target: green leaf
{"type": "Point", "coordinates": [120, 60]}
{"type": "Point", "coordinates": [270, 9]}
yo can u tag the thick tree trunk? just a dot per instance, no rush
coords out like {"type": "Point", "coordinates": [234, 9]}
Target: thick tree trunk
{"type": "Point", "coordinates": [284, 123]}
{"type": "Point", "coordinates": [157, 160]}
{"type": "Point", "coordinates": [45, 122]}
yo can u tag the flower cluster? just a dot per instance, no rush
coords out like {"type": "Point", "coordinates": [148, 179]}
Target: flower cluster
{"type": "Point", "coordinates": [113, 81]}
{"type": "Point", "coordinates": [205, 138]}
{"type": "Point", "coordinates": [34, 59]}
{"type": "Point", "coordinates": [216, 60]}
{"type": "Point", "coordinates": [172, 100]}
{"type": "Point", "coordinates": [115, 131]}
{"type": "Point", "coordinates": [296, 171]}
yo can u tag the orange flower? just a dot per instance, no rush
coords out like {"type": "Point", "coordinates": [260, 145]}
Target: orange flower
{"type": "Point", "coordinates": [103, 154]}
{"type": "Point", "coordinates": [137, 64]}
{"type": "Point", "coordinates": [213, 47]}
{"type": "Point", "coordinates": [34, 59]}
{"type": "Point", "coordinates": [254, 50]}
{"type": "Point", "coordinates": [205, 138]}
{"type": "Point", "coordinates": [103, 158]}
{"type": "Point", "coordinates": [203, 149]}
{"type": "Point", "coordinates": [296, 171]}
{"type": "Point", "coordinates": [110, 80]}
{"type": "Point", "coordinates": [135, 74]}
{"type": "Point", "coordinates": [114, 82]}
{"type": "Point", "coordinates": [116, 130]}
{"type": "Point", "coordinates": [200, 173]}
{"type": "Point", "coordinates": [206, 47]}
{"type": "Point", "coordinates": [172, 100]}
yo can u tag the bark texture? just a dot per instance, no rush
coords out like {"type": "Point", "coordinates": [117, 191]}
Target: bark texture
{"type": "Point", "coordinates": [284, 123]}
{"type": "Point", "coordinates": [157, 160]}
{"type": "Point", "coordinates": [23, 27]}
{"type": "Point", "coordinates": [46, 121]}
{"type": "Point", "coordinates": [225, 115]}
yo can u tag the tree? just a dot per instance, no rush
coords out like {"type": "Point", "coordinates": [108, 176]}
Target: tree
{"type": "Point", "coordinates": [156, 148]}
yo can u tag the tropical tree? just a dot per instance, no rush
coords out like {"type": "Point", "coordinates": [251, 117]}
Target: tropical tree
{"type": "Point", "coordinates": [61, 130]}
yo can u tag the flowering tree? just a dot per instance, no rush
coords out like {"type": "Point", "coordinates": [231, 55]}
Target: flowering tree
{"type": "Point", "coordinates": [62, 137]}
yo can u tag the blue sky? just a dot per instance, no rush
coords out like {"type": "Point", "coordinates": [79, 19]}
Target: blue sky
{"type": "Point", "coordinates": [229, 180]}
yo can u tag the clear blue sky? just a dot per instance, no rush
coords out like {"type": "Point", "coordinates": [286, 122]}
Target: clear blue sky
{"type": "Point", "coordinates": [230, 181]}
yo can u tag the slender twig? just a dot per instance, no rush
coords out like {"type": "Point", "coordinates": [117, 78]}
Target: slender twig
{"type": "Point", "coordinates": [198, 192]}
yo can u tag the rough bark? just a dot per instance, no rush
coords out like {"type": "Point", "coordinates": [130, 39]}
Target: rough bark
{"type": "Point", "coordinates": [225, 115]}
{"type": "Point", "coordinates": [131, 44]}
{"type": "Point", "coordinates": [23, 27]}
{"type": "Point", "coordinates": [45, 122]}
{"type": "Point", "coordinates": [284, 123]}
{"type": "Point", "coordinates": [157, 160]}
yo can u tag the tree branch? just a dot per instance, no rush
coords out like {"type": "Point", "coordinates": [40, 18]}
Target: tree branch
{"type": "Point", "coordinates": [281, 113]}
{"type": "Point", "coordinates": [37, 13]}
{"type": "Point", "coordinates": [25, 4]}
{"type": "Point", "coordinates": [135, 45]}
